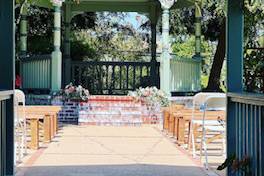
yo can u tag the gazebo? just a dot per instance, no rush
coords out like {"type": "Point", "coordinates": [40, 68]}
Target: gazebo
{"type": "Point", "coordinates": [245, 111]}
{"type": "Point", "coordinates": [53, 71]}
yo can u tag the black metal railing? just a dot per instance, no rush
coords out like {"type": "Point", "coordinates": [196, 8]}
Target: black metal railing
{"type": "Point", "coordinates": [103, 77]}
{"type": "Point", "coordinates": [245, 131]}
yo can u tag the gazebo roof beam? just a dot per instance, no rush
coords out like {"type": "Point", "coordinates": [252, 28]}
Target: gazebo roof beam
{"type": "Point", "coordinates": [92, 6]}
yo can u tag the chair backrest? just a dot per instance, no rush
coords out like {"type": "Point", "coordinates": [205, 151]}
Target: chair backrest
{"type": "Point", "coordinates": [217, 103]}
{"type": "Point", "coordinates": [200, 98]}
{"type": "Point", "coordinates": [19, 97]}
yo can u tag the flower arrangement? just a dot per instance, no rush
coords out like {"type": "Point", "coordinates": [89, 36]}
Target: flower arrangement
{"type": "Point", "coordinates": [71, 92]}
{"type": "Point", "coordinates": [150, 95]}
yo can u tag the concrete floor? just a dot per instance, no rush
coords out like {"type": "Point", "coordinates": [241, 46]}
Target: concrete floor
{"type": "Point", "coordinates": [110, 151]}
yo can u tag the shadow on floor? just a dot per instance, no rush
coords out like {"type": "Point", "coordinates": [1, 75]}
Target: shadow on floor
{"type": "Point", "coordinates": [114, 170]}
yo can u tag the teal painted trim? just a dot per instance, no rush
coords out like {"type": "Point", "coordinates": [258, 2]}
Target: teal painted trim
{"type": "Point", "coordinates": [235, 27]}
{"type": "Point", "coordinates": [56, 29]}
{"type": "Point", "coordinates": [56, 48]}
{"type": "Point", "coordinates": [23, 17]}
{"type": "Point", "coordinates": [198, 19]}
{"type": "Point", "coordinates": [57, 9]}
{"type": "Point", "coordinates": [7, 77]}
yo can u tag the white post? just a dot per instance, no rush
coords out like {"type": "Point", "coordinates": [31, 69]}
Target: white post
{"type": "Point", "coordinates": [165, 56]}
{"type": "Point", "coordinates": [56, 62]}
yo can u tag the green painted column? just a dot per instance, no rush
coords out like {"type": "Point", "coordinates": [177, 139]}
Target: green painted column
{"type": "Point", "coordinates": [67, 44]}
{"type": "Point", "coordinates": [234, 58]}
{"type": "Point", "coordinates": [165, 56]}
{"type": "Point", "coordinates": [23, 30]}
{"type": "Point", "coordinates": [198, 39]}
{"type": "Point", "coordinates": [198, 19]}
{"type": "Point", "coordinates": [56, 62]}
{"type": "Point", "coordinates": [7, 80]}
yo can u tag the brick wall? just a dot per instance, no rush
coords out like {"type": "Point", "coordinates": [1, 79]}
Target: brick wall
{"type": "Point", "coordinates": [105, 110]}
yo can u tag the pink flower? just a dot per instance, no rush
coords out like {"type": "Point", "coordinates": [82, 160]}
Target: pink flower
{"type": "Point", "coordinates": [71, 89]}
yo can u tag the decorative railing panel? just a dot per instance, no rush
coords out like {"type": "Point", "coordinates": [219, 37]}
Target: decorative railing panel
{"type": "Point", "coordinates": [246, 114]}
{"type": "Point", "coordinates": [185, 75]}
{"type": "Point", "coordinates": [36, 72]}
{"type": "Point", "coordinates": [113, 77]}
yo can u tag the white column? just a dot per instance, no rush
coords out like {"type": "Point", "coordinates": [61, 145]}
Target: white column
{"type": "Point", "coordinates": [165, 56]}
{"type": "Point", "coordinates": [56, 62]}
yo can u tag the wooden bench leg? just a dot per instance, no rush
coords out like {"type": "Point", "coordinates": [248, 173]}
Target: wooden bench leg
{"type": "Point", "coordinates": [34, 130]}
{"type": "Point", "coordinates": [181, 130]}
{"type": "Point", "coordinates": [171, 124]}
{"type": "Point", "coordinates": [47, 129]}
{"type": "Point", "coordinates": [52, 126]}
{"type": "Point", "coordinates": [175, 132]}
{"type": "Point", "coordinates": [56, 123]}
{"type": "Point", "coordinates": [166, 121]}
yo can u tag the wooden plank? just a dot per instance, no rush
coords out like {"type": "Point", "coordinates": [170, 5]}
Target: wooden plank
{"type": "Point", "coordinates": [166, 119]}
{"type": "Point", "coordinates": [34, 131]}
{"type": "Point", "coordinates": [47, 130]}
{"type": "Point", "coordinates": [52, 132]}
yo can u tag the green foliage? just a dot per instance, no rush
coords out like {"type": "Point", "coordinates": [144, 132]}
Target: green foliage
{"type": "Point", "coordinates": [204, 80]}
{"type": "Point", "coordinates": [40, 45]}
{"type": "Point", "coordinates": [81, 48]}
{"type": "Point", "coordinates": [186, 48]}
{"type": "Point", "coordinates": [110, 39]}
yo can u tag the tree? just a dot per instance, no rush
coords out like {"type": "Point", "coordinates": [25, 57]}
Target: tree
{"type": "Point", "coordinates": [213, 29]}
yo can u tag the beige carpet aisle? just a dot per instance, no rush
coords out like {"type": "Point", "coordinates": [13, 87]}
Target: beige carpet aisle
{"type": "Point", "coordinates": [111, 151]}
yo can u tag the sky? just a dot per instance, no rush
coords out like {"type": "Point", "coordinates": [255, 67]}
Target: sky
{"type": "Point", "coordinates": [135, 19]}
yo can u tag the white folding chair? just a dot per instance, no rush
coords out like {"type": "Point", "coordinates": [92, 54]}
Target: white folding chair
{"type": "Point", "coordinates": [20, 124]}
{"type": "Point", "coordinates": [198, 104]}
{"type": "Point", "coordinates": [212, 103]}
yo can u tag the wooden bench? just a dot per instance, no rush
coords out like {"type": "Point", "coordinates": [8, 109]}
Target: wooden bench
{"type": "Point", "coordinates": [42, 117]}
{"type": "Point", "coordinates": [168, 118]}
{"type": "Point", "coordinates": [183, 121]}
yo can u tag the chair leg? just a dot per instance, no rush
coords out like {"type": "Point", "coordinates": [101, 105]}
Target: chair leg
{"type": "Point", "coordinates": [203, 147]}
{"type": "Point", "coordinates": [193, 138]}
{"type": "Point", "coordinates": [224, 145]}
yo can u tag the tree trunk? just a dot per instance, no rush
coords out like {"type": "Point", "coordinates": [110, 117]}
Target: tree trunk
{"type": "Point", "coordinates": [215, 73]}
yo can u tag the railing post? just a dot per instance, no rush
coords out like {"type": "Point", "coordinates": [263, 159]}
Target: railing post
{"type": "Point", "coordinates": [234, 52]}
{"type": "Point", "coordinates": [154, 76]}
{"type": "Point", "coordinates": [153, 68]}
{"type": "Point", "coordinates": [56, 61]}
{"type": "Point", "coordinates": [165, 59]}
{"type": "Point", "coordinates": [67, 44]}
